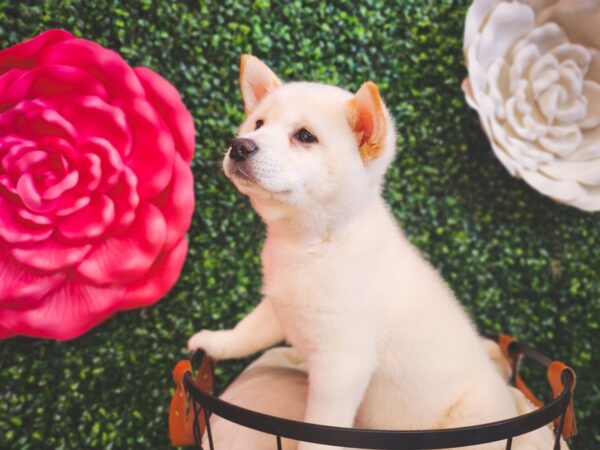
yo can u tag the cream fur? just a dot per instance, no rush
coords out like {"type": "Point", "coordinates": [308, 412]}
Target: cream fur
{"type": "Point", "coordinates": [385, 342]}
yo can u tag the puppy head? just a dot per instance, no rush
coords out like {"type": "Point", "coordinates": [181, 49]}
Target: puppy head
{"type": "Point", "coordinates": [308, 149]}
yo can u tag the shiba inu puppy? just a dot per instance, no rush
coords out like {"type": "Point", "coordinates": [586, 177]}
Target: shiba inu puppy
{"type": "Point", "coordinates": [385, 342]}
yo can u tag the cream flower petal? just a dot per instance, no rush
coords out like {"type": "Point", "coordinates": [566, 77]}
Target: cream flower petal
{"type": "Point", "coordinates": [578, 18]}
{"type": "Point", "coordinates": [502, 150]}
{"type": "Point", "coordinates": [560, 190]}
{"type": "Point", "coordinates": [507, 23]}
{"type": "Point", "coordinates": [506, 160]}
{"type": "Point", "coordinates": [548, 101]}
{"type": "Point", "coordinates": [562, 141]}
{"type": "Point", "coordinates": [573, 112]}
{"type": "Point", "coordinates": [585, 172]}
{"type": "Point", "coordinates": [497, 82]}
{"type": "Point", "coordinates": [476, 73]}
{"type": "Point", "coordinates": [468, 91]}
{"type": "Point", "coordinates": [543, 73]}
{"type": "Point", "coordinates": [590, 146]}
{"type": "Point", "coordinates": [524, 98]}
{"type": "Point", "coordinates": [476, 16]}
{"type": "Point", "coordinates": [545, 38]}
{"type": "Point", "coordinates": [593, 73]}
{"type": "Point", "coordinates": [591, 91]}
{"type": "Point", "coordinates": [539, 128]}
{"type": "Point", "coordinates": [540, 5]}
{"type": "Point", "coordinates": [515, 119]}
{"type": "Point", "coordinates": [573, 52]}
{"type": "Point", "coordinates": [588, 202]}
{"type": "Point", "coordinates": [506, 145]}
{"type": "Point", "coordinates": [522, 60]}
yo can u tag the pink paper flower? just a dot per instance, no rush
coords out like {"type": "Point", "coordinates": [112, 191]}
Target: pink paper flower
{"type": "Point", "coordinates": [96, 190]}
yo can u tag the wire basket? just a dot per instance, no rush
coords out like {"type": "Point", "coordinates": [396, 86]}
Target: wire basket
{"type": "Point", "coordinates": [193, 403]}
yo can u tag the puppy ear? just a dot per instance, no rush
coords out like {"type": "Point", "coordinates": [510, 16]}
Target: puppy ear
{"type": "Point", "coordinates": [366, 115]}
{"type": "Point", "coordinates": [256, 81]}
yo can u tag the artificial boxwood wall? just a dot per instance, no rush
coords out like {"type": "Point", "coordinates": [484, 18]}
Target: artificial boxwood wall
{"type": "Point", "coordinates": [519, 262]}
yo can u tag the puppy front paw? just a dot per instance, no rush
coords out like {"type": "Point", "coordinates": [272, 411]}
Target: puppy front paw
{"type": "Point", "coordinates": [217, 344]}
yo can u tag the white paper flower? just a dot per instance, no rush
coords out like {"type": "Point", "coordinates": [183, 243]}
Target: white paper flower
{"type": "Point", "coordinates": [534, 79]}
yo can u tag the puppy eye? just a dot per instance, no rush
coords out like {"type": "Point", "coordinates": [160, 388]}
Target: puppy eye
{"type": "Point", "coordinates": [259, 123]}
{"type": "Point", "coordinates": [305, 136]}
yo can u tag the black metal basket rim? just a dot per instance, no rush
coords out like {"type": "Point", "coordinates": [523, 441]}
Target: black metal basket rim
{"type": "Point", "coordinates": [391, 439]}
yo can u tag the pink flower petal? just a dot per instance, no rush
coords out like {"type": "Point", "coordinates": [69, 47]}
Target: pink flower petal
{"type": "Point", "coordinates": [177, 202]}
{"type": "Point", "coordinates": [24, 54]}
{"type": "Point", "coordinates": [105, 65]}
{"type": "Point", "coordinates": [8, 78]}
{"type": "Point", "coordinates": [90, 167]}
{"type": "Point", "coordinates": [57, 146]}
{"type": "Point", "coordinates": [126, 200]}
{"type": "Point", "coordinates": [126, 258]}
{"type": "Point", "coordinates": [94, 118]}
{"type": "Point", "coordinates": [28, 160]}
{"type": "Point", "coordinates": [68, 182]}
{"type": "Point", "coordinates": [159, 280]}
{"type": "Point", "coordinates": [165, 98]}
{"type": "Point", "coordinates": [32, 120]}
{"type": "Point", "coordinates": [36, 219]}
{"type": "Point", "coordinates": [8, 141]}
{"type": "Point", "coordinates": [50, 255]}
{"type": "Point", "coordinates": [153, 150]}
{"type": "Point", "coordinates": [52, 83]}
{"type": "Point", "coordinates": [110, 159]}
{"type": "Point", "coordinates": [89, 222]}
{"type": "Point", "coordinates": [15, 153]}
{"type": "Point", "coordinates": [14, 231]}
{"type": "Point", "coordinates": [28, 192]}
{"type": "Point", "coordinates": [64, 313]}
{"type": "Point", "coordinates": [21, 287]}
{"type": "Point", "coordinates": [71, 204]}
{"type": "Point", "coordinates": [7, 184]}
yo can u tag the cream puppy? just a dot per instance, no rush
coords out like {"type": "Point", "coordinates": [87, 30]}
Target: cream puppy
{"type": "Point", "coordinates": [385, 342]}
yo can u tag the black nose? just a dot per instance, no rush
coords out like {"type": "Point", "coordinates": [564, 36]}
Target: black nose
{"type": "Point", "coordinates": [241, 149]}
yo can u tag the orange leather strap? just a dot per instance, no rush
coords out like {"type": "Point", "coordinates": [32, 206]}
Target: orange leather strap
{"type": "Point", "coordinates": [555, 378]}
{"type": "Point", "coordinates": [181, 415]}
{"type": "Point", "coordinates": [505, 341]}
{"type": "Point", "coordinates": [554, 374]}
{"type": "Point", "coordinates": [180, 431]}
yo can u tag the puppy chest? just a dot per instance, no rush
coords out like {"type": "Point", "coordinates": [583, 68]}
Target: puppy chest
{"type": "Point", "coordinates": [318, 306]}
{"type": "Point", "coordinates": [310, 285]}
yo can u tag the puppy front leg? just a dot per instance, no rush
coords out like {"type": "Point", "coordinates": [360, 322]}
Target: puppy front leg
{"type": "Point", "coordinates": [258, 330]}
{"type": "Point", "coordinates": [337, 385]}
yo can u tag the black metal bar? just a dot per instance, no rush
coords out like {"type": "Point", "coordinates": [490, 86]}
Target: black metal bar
{"type": "Point", "coordinates": [509, 443]}
{"type": "Point", "coordinates": [279, 442]}
{"type": "Point", "coordinates": [381, 439]}
{"type": "Point", "coordinates": [196, 424]}
{"type": "Point", "coordinates": [531, 353]}
{"type": "Point", "coordinates": [558, 431]}
{"type": "Point", "coordinates": [208, 430]}
{"type": "Point", "coordinates": [515, 371]}
{"type": "Point", "coordinates": [524, 349]}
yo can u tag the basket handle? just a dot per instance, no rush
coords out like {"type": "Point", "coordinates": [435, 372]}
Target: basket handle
{"type": "Point", "coordinates": [555, 372]}
{"type": "Point", "coordinates": [505, 341]}
{"type": "Point", "coordinates": [181, 413]}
